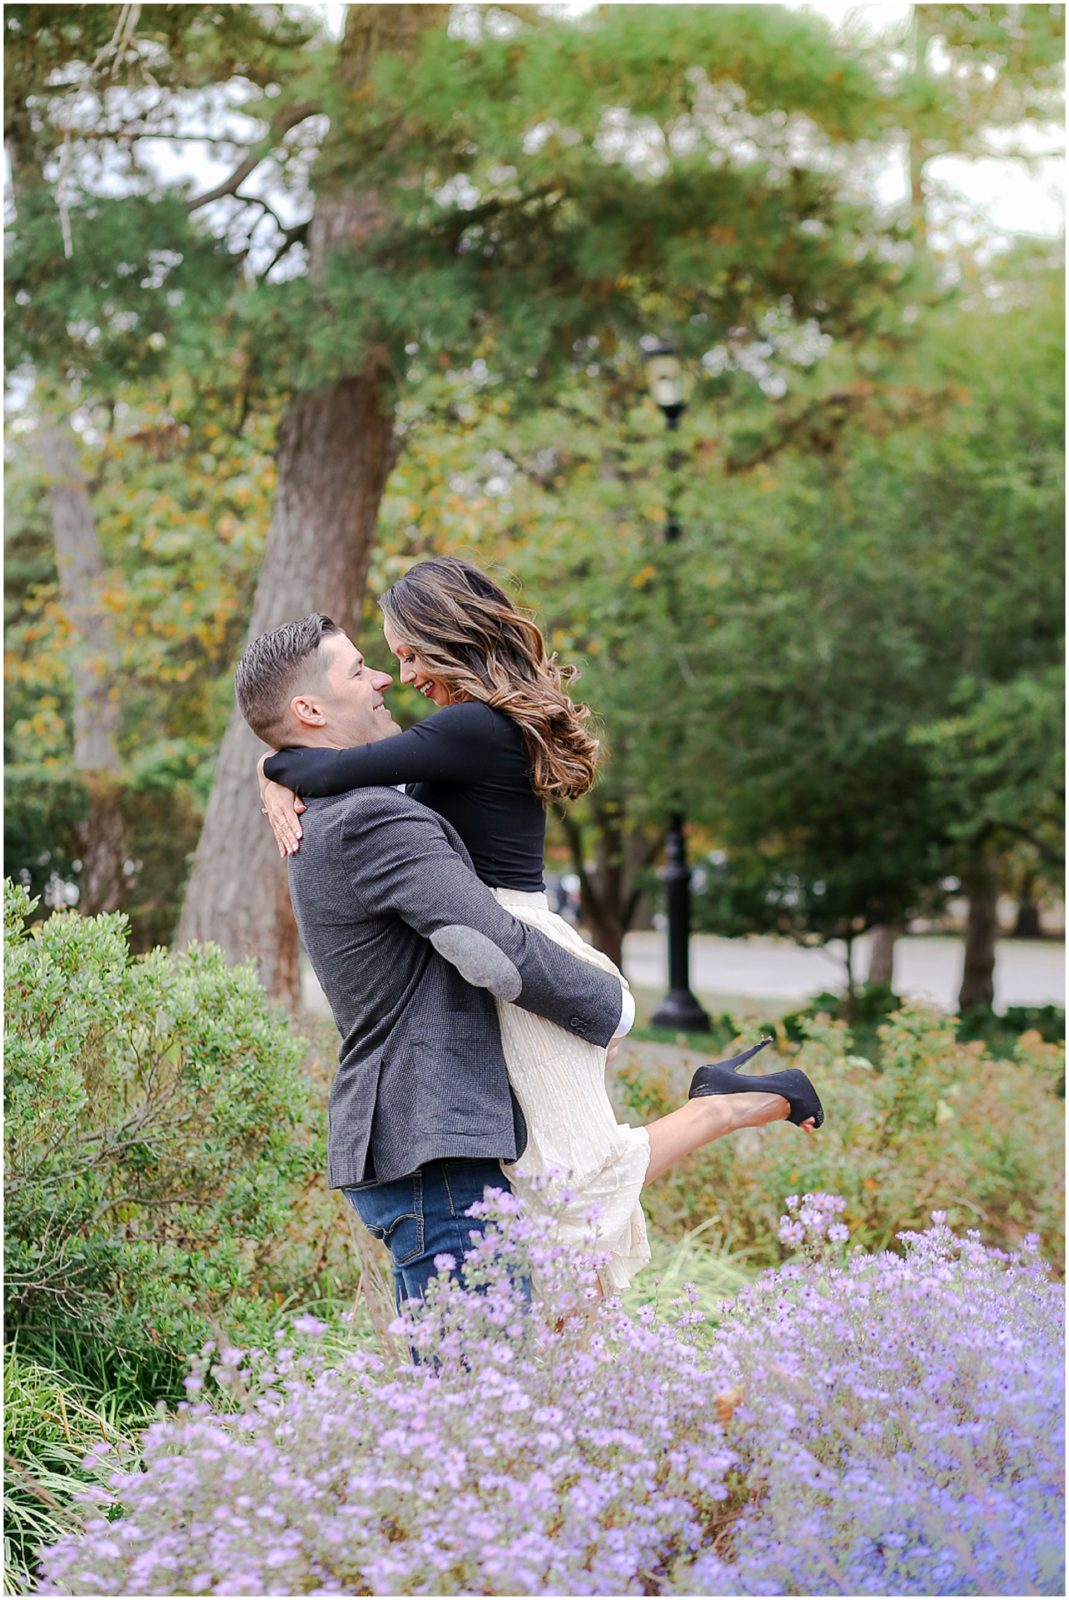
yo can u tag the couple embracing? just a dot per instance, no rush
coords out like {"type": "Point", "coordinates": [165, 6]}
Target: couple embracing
{"type": "Point", "coordinates": [475, 1022]}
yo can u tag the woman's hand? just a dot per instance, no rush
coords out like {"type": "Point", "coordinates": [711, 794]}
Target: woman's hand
{"type": "Point", "coordinates": [282, 808]}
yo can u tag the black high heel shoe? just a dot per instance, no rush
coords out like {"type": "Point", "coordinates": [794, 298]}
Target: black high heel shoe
{"type": "Point", "coordinates": [723, 1077]}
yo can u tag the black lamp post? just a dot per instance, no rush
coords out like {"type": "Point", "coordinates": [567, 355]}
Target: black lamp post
{"type": "Point", "coordinates": [679, 1009]}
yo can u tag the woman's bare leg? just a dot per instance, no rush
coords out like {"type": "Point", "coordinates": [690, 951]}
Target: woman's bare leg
{"type": "Point", "coordinates": [704, 1119]}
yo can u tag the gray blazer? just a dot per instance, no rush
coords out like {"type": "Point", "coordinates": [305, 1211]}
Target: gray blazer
{"type": "Point", "coordinates": [411, 949]}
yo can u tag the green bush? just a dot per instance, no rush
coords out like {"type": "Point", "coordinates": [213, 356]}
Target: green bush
{"type": "Point", "coordinates": [872, 1004]}
{"type": "Point", "coordinates": [875, 1002]}
{"type": "Point", "coordinates": [981, 1022]}
{"type": "Point", "coordinates": [160, 1139]}
{"type": "Point", "coordinates": [941, 1125]}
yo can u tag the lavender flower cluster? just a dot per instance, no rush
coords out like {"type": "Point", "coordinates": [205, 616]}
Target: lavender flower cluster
{"type": "Point", "coordinates": [884, 1426]}
{"type": "Point", "coordinates": [544, 1449]}
{"type": "Point", "coordinates": [810, 1222]}
{"type": "Point", "coordinates": [902, 1421]}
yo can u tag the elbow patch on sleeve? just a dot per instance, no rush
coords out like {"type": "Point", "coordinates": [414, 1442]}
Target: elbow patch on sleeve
{"type": "Point", "coordinates": [478, 960]}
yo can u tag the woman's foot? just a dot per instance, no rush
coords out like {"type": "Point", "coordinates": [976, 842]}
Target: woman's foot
{"type": "Point", "coordinates": [738, 1111]}
{"type": "Point", "coordinates": [724, 1101]}
{"type": "Point", "coordinates": [721, 1078]}
{"type": "Point", "coordinates": [708, 1117]}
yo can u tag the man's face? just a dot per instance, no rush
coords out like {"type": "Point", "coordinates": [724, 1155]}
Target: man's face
{"type": "Point", "coordinates": [347, 708]}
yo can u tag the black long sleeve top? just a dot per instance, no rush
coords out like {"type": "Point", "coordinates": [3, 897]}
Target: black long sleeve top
{"type": "Point", "coordinates": [468, 762]}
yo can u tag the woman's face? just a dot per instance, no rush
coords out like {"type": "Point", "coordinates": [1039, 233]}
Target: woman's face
{"type": "Point", "coordinates": [412, 669]}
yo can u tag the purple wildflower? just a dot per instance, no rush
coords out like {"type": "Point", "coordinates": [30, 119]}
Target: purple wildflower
{"type": "Point", "coordinates": [890, 1424]}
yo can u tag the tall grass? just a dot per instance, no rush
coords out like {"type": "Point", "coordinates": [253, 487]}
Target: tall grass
{"type": "Point", "coordinates": [693, 1262]}
{"type": "Point", "coordinates": [50, 1422]}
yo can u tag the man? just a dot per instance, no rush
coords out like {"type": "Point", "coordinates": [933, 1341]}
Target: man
{"type": "Point", "coordinates": [410, 950]}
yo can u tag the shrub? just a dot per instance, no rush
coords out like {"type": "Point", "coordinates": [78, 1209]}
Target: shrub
{"type": "Point", "coordinates": [941, 1123]}
{"type": "Point", "coordinates": [871, 1004]}
{"type": "Point", "coordinates": [156, 1136]}
{"type": "Point", "coordinates": [874, 1003]}
{"type": "Point", "coordinates": [819, 1433]}
{"type": "Point", "coordinates": [981, 1022]}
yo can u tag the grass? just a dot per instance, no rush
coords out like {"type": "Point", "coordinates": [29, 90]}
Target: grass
{"type": "Point", "coordinates": [697, 1259]}
{"type": "Point", "coordinates": [719, 1004]}
{"type": "Point", "coordinates": [49, 1425]}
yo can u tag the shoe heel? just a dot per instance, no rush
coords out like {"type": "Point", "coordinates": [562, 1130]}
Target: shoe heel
{"type": "Point", "coordinates": [733, 1062]}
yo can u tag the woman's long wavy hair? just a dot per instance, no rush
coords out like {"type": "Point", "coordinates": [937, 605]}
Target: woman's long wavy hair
{"type": "Point", "coordinates": [471, 636]}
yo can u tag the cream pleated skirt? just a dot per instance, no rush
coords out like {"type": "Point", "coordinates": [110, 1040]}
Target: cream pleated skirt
{"type": "Point", "coordinates": [586, 1162]}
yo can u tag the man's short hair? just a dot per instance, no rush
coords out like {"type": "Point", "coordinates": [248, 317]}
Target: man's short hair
{"type": "Point", "coordinates": [274, 668]}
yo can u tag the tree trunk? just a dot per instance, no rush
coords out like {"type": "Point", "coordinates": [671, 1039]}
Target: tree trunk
{"type": "Point", "coordinates": [918, 153]}
{"type": "Point", "coordinates": [848, 1008]}
{"type": "Point", "coordinates": [335, 452]}
{"type": "Point", "coordinates": [1027, 924]}
{"type": "Point", "coordinates": [882, 953]}
{"type": "Point", "coordinates": [980, 883]}
{"type": "Point", "coordinates": [102, 882]}
{"type": "Point", "coordinates": [609, 897]}
{"type": "Point", "coordinates": [605, 924]}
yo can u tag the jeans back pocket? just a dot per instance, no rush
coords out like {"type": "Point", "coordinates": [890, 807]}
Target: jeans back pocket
{"type": "Point", "coordinates": [393, 1212]}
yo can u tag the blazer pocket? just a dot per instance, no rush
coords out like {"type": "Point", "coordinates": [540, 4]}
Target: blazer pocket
{"type": "Point", "coordinates": [462, 1085]}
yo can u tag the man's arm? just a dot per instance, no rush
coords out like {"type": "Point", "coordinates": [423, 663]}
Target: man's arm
{"type": "Point", "coordinates": [401, 862]}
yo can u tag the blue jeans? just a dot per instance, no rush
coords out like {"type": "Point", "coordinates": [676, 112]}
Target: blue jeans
{"type": "Point", "coordinates": [422, 1216]}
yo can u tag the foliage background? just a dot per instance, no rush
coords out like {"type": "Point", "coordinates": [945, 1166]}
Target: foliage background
{"type": "Point", "coordinates": [859, 632]}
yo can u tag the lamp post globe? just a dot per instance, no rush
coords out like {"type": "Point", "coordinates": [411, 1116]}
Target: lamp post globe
{"type": "Point", "coordinates": [665, 380]}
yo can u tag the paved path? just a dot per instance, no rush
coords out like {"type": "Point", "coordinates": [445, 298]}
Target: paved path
{"type": "Point", "coordinates": [1027, 972]}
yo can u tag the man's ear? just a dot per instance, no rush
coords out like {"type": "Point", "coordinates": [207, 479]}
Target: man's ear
{"type": "Point", "coordinates": [307, 711]}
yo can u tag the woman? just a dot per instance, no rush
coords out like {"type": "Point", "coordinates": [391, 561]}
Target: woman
{"type": "Point", "coordinates": [505, 741]}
